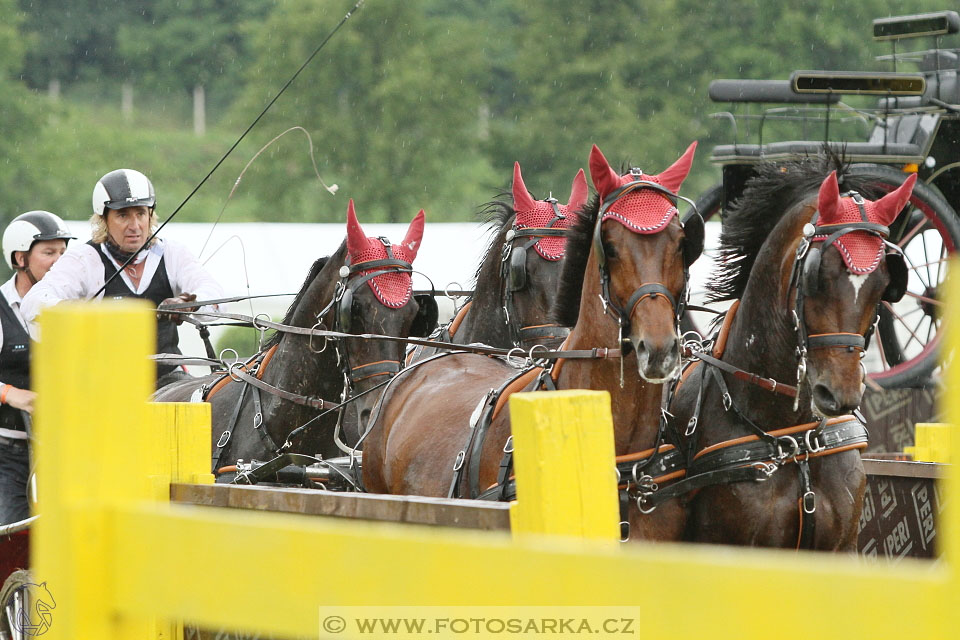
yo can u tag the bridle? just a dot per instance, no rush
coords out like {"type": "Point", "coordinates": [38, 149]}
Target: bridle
{"type": "Point", "coordinates": [513, 277]}
{"type": "Point", "coordinates": [693, 228]}
{"type": "Point", "coordinates": [804, 280]}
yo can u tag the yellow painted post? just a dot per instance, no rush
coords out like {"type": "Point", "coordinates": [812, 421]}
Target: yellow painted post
{"type": "Point", "coordinates": [949, 527]}
{"type": "Point", "coordinates": [565, 467]}
{"type": "Point", "coordinates": [92, 379]}
{"type": "Point", "coordinates": [193, 443]}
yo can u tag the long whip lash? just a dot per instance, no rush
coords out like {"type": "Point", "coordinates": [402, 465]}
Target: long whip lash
{"type": "Point", "coordinates": [353, 10]}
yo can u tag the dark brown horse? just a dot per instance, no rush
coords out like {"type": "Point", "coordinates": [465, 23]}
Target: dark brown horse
{"type": "Point", "coordinates": [517, 281]}
{"type": "Point", "coordinates": [810, 269]}
{"type": "Point", "coordinates": [365, 286]}
{"type": "Point", "coordinates": [624, 276]}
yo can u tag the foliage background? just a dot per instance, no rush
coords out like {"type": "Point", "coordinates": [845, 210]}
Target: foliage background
{"type": "Point", "coordinates": [421, 103]}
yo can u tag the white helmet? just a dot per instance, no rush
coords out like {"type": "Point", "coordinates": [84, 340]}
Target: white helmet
{"type": "Point", "coordinates": [123, 188]}
{"type": "Point", "coordinates": [31, 227]}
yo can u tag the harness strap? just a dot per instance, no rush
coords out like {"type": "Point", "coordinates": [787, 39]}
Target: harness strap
{"type": "Point", "coordinates": [765, 383]}
{"type": "Point", "coordinates": [807, 504]}
{"type": "Point", "coordinates": [296, 398]}
{"type": "Point", "coordinates": [372, 369]}
{"type": "Point", "coordinates": [226, 434]}
{"type": "Point", "coordinates": [258, 425]}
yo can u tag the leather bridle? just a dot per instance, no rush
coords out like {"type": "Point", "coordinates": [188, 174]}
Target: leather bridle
{"type": "Point", "coordinates": [652, 289]}
{"type": "Point", "coordinates": [513, 278]}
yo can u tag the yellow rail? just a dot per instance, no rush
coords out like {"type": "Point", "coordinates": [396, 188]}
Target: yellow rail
{"type": "Point", "coordinates": [122, 562]}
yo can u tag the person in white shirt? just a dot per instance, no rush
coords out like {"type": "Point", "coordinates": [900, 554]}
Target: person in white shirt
{"type": "Point", "coordinates": [32, 243]}
{"type": "Point", "coordinates": [124, 216]}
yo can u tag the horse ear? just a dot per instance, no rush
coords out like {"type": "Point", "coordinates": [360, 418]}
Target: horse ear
{"type": "Point", "coordinates": [828, 198]}
{"type": "Point", "coordinates": [356, 239]}
{"type": "Point", "coordinates": [522, 201]}
{"type": "Point", "coordinates": [605, 179]}
{"type": "Point", "coordinates": [414, 235]}
{"type": "Point", "coordinates": [887, 207]}
{"type": "Point", "coordinates": [674, 176]}
{"type": "Point", "coordinates": [578, 192]}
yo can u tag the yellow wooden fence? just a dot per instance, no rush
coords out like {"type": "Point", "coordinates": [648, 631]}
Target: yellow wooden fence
{"type": "Point", "coordinates": [121, 562]}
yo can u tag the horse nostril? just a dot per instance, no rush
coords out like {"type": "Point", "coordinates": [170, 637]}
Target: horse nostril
{"type": "Point", "coordinates": [825, 399]}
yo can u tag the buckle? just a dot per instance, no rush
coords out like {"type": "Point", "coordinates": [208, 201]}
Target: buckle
{"type": "Point", "coordinates": [809, 502]}
{"type": "Point", "coordinates": [815, 446]}
{"type": "Point", "coordinates": [224, 438]}
{"type": "Point", "coordinates": [794, 446]}
{"type": "Point", "coordinates": [508, 445]}
{"type": "Point", "coordinates": [458, 463]}
{"type": "Point", "coordinates": [691, 426]}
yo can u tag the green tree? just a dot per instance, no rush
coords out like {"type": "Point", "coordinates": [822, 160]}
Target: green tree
{"type": "Point", "coordinates": [392, 103]}
{"type": "Point", "coordinates": [19, 118]}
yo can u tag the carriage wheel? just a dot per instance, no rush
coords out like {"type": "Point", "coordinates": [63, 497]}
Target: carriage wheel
{"type": "Point", "coordinates": [13, 605]}
{"type": "Point", "coordinates": [905, 351]}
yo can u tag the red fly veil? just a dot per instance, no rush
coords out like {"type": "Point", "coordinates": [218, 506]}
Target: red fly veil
{"type": "Point", "coordinates": [537, 214]}
{"type": "Point", "coordinates": [392, 289]}
{"type": "Point", "coordinates": [641, 210]}
{"type": "Point", "coordinates": [861, 250]}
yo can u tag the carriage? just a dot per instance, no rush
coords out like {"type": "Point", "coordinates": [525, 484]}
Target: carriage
{"type": "Point", "coordinates": [906, 122]}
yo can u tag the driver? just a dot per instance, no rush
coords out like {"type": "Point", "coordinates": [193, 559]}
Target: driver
{"type": "Point", "coordinates": [163, 271]}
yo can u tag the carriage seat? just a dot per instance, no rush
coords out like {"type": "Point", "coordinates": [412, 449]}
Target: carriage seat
{"type": "Point", "coordinates": [889, 153]}
{"type": "Point", "coordinates": [778, 91]}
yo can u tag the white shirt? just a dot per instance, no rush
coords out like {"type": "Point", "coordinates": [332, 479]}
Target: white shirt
{"type": "Point", "coordinates": [11, 297]}
{"type": "Point", "coordinates": [78, 274]}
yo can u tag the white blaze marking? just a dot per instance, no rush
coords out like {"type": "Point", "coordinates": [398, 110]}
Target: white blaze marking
{"type": "Point", "coordinates": [857, 282]}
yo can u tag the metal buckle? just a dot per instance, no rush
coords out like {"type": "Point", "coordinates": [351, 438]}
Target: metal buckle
{"type": "Point", "coordinates": [691, 426]}
{"type": "Point", "coordinates": [458, 464]}
{"type": "Point", "coordinates": [794, 445]}
{"type": "Point", "coordinates": [768, 468]}
{"type": "Point", "coordinates": [508, 445]}
{"type": "Point", "coordinates": [642, 500]}
{"type": "Point", "coordinates": [811, 447]}
{"type": "Point", "coordinates": [727, 402]}
{"type": "Point", "coordinates": [257, 420]}
{"type": "Point", "coordinates": [624, 531]}
{"type": "Point", "coordinates": [809, 502]}
{"type": "Point", "coordinates": [224, 438]}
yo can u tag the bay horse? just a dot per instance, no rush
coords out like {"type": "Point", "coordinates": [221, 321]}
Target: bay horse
{"type": "Point", "coordinates": [515, 287]}
{"type": "Point", "coordinates": [365, 286]}
{"type": "Point", "coordinates": [809, 269]}
{"type": "Point", "coordinates": [622, 287]}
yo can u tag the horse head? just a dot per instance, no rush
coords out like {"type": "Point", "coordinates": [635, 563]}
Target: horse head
{"type": "Point", "coordinates": [845, 274]}
{"type": "Point", "coordinates": [376, 296]}
{"type": "Point", "coordinates": [643, 251]}
{"type": "Point", "coordinates": [530, 279]}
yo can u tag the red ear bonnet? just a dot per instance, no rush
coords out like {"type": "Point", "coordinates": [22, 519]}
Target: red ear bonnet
{"type": "Point", "coordinates": [861, 251]}
{"type": "Point", "coordinates": [393, 288]}
{"type": "Point", "coordinates": [538, 214]}
{"type": "Point", "coordinates": [641, 210]}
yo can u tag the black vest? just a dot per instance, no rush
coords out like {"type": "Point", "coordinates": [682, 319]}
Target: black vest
{"type": "Point", "coordinates": [158, 290]}
{"type": "Point", "coordinates": [14, 362]}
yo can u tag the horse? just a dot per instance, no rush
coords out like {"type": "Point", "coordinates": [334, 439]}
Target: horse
{"type": "Point", "coordinates": [622, 285]}
{"type": "Point", "coordinates": [514, 289]}
{"type": "Point", "coordinates": [809, 269]}
{"type": "Point", "coordinates": [365, 286]}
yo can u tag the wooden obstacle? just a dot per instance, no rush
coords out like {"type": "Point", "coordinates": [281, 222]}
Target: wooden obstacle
{"type": "Point", "coordinates": [124, 563]}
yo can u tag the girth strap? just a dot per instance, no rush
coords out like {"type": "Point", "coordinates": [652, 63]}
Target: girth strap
{"type": "Point", "coordinates": [226, 434]}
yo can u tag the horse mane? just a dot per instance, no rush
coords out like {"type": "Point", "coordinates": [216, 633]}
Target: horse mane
{"type": "Point", "coordinates": [566, 306]}
{"type": "Point", "coordinates": [498, 215]}
{"type": "Point", "coordinates": [315, 270]}
{"type": "Point", "coordinates": [776, 190]}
